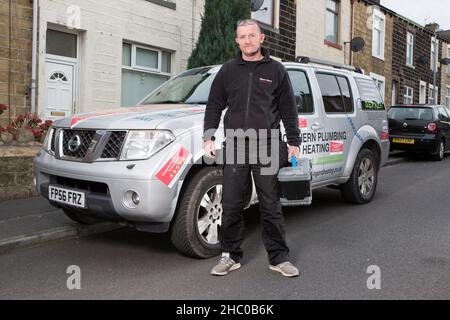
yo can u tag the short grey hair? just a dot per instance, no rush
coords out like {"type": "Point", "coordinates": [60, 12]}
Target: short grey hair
{"type": "Point", "coordinates": [248, 22]}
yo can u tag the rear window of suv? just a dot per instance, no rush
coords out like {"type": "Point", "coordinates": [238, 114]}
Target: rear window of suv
{"type": "Point", "coordinates": [405, 113]}
{"type": "Point", "coordinates": [371, 99]}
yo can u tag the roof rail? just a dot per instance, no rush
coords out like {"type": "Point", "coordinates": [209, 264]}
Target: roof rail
{"type": "Point", "coordinates": [307, 60]}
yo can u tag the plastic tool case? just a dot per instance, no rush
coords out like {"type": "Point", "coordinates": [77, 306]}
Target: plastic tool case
{"type": "Point", "coordinates": [295, 183]}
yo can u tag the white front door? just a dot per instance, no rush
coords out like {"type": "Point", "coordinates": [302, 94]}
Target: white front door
{"type": "Point", "coordinates": [59, 96]}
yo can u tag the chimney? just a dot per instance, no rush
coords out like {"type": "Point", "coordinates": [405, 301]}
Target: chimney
{"type": "Point", "coordinates": [432, 27]}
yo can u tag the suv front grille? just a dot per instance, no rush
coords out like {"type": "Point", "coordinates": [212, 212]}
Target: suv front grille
{"type": "Point", "coordinates": [114, 145]}
{"type": "Point", "coordinates": [70, 137]}
{"type": "Point", "coordinates": [76, 143]}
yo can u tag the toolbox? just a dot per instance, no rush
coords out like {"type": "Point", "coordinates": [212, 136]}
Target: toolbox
{"type": "Point", "coordinates": [294, 183]}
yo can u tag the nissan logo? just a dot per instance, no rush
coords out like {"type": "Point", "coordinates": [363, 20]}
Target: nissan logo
{"type": "Point", "coordinates": [405, 124]}
{"type": "Point", "coordinates": [74, 143]}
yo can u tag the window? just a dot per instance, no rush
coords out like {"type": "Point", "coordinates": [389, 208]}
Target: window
{"type": "Point", "coordinates": [267, 13]}
{"type": "Point", "coordinates": [422, 92]}
{"type": "Point", "coordinates": [433, 94]}
{"type": "Point", "coordinates": [448, 56]}
{"type": "Point", "coordinates": [143, 70]}
{"type": "Point", "coordinates": [447, 97]}
{"type": "Point", "coordinates": [336, 94]}
{"type": "Point", "coordinates": [61, 43]}
{"type": "Point", "coordinates": [408, 97]}
{"type": "Point", "coordinates": [332, 21]}
{"type": "Point", "coordinates": [301, 88]}
{"type": "Point", "coordinates": [434, 53]}
{"type": "Point", "coordinates": [410, 49]}
{"type": "Point", "coordinates": [371, 98]}
{"type": "Point", "coordinates": [379, 82]}
{"type": "Point", "coordinates": [378, 34]}
{"type": "Point", "coordinates": [443, 115]}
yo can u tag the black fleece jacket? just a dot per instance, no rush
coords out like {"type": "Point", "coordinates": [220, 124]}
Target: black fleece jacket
{"type": "Point", "coordinates": [257, 98]}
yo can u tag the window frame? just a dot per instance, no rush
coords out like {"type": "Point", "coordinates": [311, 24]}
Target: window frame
{"type": "Point", "coordinates": [337, 15]}
{"type": "Point", "coordinates": [340, 90]}
{"type": "Point", "coordinates": [406, 96]}
{"type": "Point", "coordinates": [410, 46]}
{"type": "Point", "coordinates": [275, 19]}
{"type": "Point", "coordinates": [447, 97]}
{"type": "Point", "coordinates": [432, 54]}
{"type": "Point", "coordinates": [134, 67]}
{"type": "Point", "coordinates": [436, 92]}
{"type": "Point", "coordinates": [380, 78]}
{"type": "Point", "coordinates": [378, 14]}
{"type": "Point", "coordinates": [448, 56]}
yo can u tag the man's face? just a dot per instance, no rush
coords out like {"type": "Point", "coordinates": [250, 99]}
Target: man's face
{"type": "Point", "coordinates": [249, 38]}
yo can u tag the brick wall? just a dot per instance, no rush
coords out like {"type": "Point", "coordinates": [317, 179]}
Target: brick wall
{"type": "Point", "coordinates": [281, 42]}
{"type": "Point", "coordinates": [406, 75]}
{"type": "Point", "coordinates": [364, 59]}
{"type": "Point", "coordinates": [15, 56]}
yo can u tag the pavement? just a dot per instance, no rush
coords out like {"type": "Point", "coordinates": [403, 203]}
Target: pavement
{"type": "Point", "coordinates": [33, 222]}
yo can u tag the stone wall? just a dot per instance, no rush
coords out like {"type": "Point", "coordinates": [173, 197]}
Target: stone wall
{"type": "Point", "coordinates": [16, 172]}
{"type": "Point", "coordinates": [15, 57]}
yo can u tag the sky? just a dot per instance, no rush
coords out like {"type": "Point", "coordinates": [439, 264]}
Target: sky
{"type": "Point", "coordinates": [422, 11]}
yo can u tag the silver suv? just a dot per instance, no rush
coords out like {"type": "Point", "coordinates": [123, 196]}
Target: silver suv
{"type": "Point", "coordinates": [142, 165]}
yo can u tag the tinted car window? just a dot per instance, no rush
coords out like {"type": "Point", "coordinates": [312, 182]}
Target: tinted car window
{"type": "Point", "coordinates": [300, 85]}
{"type": "Point", "coordinates": [403, 113]}
{"type": "Point", "coordinates": [371, 98]}
{"type": "Point", "coordinates": [335, 93]}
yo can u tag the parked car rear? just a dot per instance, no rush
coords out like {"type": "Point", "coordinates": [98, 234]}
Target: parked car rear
{"type": "Point", "coordinates": [420, 128]}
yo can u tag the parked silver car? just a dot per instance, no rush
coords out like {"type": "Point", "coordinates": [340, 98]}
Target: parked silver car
{"type": "Point", "coordinates": [143, 164]}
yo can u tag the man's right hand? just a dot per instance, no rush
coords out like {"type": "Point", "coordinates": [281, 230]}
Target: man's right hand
{"type": "Point", "coordinates": [209, 148]}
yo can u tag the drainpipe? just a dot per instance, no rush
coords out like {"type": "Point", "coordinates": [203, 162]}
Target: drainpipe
{"type": "Point", "coordinates": [33, 56]}
{"type": "Point", "coordinates": [352, 4]}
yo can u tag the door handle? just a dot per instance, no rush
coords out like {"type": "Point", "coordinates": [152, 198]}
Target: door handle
{"type": "Point", "coordinates": [316, 126]}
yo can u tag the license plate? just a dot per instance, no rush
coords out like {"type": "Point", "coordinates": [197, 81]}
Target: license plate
{"type": "Point", "coordinates": [66, 196]}
{"type": "Point", "coordinates": [401, 140]}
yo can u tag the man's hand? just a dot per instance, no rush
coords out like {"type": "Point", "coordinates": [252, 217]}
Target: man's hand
{"type": "Point", "coordinates": [293, 150]}
{"type": "Point", "coordinates": [209, 148]}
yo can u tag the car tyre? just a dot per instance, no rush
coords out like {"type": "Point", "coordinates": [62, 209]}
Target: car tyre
{"type": "Point", "coordinates": [361, 186]}
{"type": "Point", "coordinates": [439, 154]}
{"type": "Point", "coordinates": [195, 230]}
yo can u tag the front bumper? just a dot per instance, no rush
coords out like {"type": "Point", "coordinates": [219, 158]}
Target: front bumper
{"type": "Point", "coordinates": [105, 185]}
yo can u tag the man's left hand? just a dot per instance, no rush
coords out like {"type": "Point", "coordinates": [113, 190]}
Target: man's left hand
{"type": "Point", "coordinates": [293, 150]}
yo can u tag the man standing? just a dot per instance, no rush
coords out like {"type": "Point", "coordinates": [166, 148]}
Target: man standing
{"type": "Point", "coordinates": [258, 93]}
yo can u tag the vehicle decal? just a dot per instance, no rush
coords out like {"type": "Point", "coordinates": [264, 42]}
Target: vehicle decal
{"type": "Point", "coordinates": [372, 105]}
{"type": "Point", "coordinates": [328, 159]}
{"type": "Point", "coordinates": [354, 129]}
{"type": "Point", "coordinates": [172, 169]}
{"type": "Point", "coordinates": [302, 123]}
{"type": "Point", "coordinates": [336, 147]}
{"type": "Point", "coordinates": [76, 120]}
{"type": "Point", "coordinates": [320, 142]}
{"type": "Point", "coordinates": [169, 115]}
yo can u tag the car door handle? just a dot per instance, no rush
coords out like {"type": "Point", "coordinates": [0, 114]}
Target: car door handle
{"type": "Point", "coordinates": [316, 126]}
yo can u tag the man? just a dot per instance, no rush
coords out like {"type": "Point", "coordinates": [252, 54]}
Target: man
{"type": "Point", "coordinates": [258, 93]}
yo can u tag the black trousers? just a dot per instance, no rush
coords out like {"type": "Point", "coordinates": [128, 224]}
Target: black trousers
{"type": "Point", "coordinates": [236, 188]}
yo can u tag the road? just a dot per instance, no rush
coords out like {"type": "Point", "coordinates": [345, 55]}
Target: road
{"type": "Point", "coordinates": [405, 232]}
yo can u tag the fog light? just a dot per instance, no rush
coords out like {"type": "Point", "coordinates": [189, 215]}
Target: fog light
{"type": "Point", "coordinates": [135, 198]}
{"type": "Point", "coordinates": [131, 199]}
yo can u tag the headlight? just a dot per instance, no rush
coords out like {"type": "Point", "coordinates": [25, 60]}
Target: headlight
{"type": "Point", "coordinates": [142, 144]}
{"type": "Point", "coordinates": [48, 140]}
